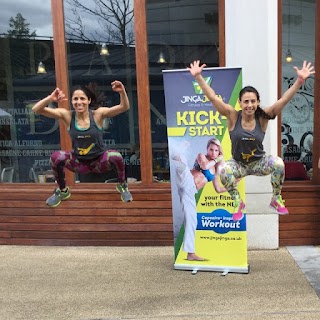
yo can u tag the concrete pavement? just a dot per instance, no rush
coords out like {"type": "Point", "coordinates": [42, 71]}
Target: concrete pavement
{"type": "Point", "coordinates": [104, 283]}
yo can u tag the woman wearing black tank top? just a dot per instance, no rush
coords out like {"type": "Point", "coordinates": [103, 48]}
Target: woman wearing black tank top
{"type": "Point", "coordinates": [247, 128]}
{"type": "Point", "coordinates": [85, 127]}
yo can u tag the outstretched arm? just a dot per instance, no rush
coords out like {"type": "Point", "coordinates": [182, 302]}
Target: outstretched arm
{"type": "Point", "coordinates": [223, 108]}
{"type": "Point", "coordinates": [302, 75]}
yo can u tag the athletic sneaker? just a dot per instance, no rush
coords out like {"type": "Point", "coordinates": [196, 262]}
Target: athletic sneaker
{"type": "Point", "coordinates": [57, 197]}
{"type": "Point", "coordinates": [125, 193]}
{"type": "Point", "coordinates": [278, 204]}
{"type": "Point", "coordinates": [237, 213]}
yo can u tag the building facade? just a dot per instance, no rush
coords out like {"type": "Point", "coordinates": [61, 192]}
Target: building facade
{"type": "Point", "coordinates": [133, 42]}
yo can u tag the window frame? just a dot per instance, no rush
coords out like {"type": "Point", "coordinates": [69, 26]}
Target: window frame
{"type": "Point", "coordinates": [316, 134]}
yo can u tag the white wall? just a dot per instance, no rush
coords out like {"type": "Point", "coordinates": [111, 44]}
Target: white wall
{"type": "Point", "coordinates": [251, 43]}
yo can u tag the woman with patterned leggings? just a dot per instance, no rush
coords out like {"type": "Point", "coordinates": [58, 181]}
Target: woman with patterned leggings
{"type": "Point", "coordinates": [247, 129]}
{"type": "Point", "coordinates": [85, 127]}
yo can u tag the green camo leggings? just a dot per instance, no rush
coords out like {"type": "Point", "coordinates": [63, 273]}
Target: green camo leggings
{"type": "Point", "coordinates": [231, 171]}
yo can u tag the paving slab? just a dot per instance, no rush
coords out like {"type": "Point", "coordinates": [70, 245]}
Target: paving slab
{"type": "Point", "coordinates": [91, 283]}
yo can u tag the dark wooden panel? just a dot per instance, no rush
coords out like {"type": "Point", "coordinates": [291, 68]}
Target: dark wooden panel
{"type": "Point", "coordinates": [76, 196]}
{"type": "Point", "coordinates": [5, 234]}
{"type": "Point", "coordinates": [77, 242]}
{"type": "Point", "coordinates": [299, 225]}
{"type": "Point", "coordinates": [85, 219]}
{"type": "Point", "coordinates": [91, 235]}
{"type": "Point", "coordinates": [301, 233]}
{"type": "Point", "coordinates": [90, 205]}
{"type": "Point", "coordinates": [302, 210]}
{"type": "Point", "coordinates": [299, 242]}
{"type": "Point", "coordinates": [306, 217]}
{"type": "Point", "coordinates": [302, 225]}
{"type": "Point", "coordinates": [72, 228]}
{"type": "Point", "coordinates": [94, 215]}
{"type": "Point", "coordinates": [45, 211]}
{"type": "Point", "coordinates": [301, 202]}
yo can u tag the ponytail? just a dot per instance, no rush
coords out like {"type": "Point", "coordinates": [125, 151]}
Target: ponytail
{"type": "Point", "coordinates": [261, 113]}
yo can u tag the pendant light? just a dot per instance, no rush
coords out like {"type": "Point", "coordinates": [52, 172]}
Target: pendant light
{"type": "Point", "coordinates": [41, 68]}
{"type": "Point", "coordinates": [104, 50]}
{"type": "Point", "coordinates": [161, 58]}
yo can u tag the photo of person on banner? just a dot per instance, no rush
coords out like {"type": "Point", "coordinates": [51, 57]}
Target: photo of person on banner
{"type": "Point", "coordinates": [186, 190]}
{"type": "Point", "coordinates": [206, 166]}
{"type": "Point", "coordinates": [247, 129]}
{"type": "Point", "coordinates": [189, 182]}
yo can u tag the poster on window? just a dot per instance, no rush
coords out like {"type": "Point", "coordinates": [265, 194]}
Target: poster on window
{"type": "Point", "coordinates": [297, 129]}
{"type": "Point", "coordinates": [205, 235]}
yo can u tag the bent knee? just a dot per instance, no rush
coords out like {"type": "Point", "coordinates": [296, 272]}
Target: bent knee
{"type": "Point", "coordinates": [225, 169]}
{"type": "Point", "coordinates": [56, 155]}
{"type": "Point", "coordinates": [278, 163]}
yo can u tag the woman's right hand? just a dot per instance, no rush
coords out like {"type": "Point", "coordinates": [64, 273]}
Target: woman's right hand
{"type": "Point", "coordinates": [195, 68]}
{"type": "Point", "coordinates": [57, 95]}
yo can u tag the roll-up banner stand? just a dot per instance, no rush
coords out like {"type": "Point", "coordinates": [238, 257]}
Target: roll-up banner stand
{"type": "Point", "coordinates": [202, 210]}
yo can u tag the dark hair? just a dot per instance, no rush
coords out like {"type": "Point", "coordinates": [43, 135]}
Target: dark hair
{"type": "Point", "coordinates": [260, 112]}
{"type": "Point", "coordinates": [93, 93]}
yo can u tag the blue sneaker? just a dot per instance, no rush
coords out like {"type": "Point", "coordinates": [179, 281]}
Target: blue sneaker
{"type": "Point", "coordinates": [122, 188]}
{"type": "Point", "coordinates": [57, 197]}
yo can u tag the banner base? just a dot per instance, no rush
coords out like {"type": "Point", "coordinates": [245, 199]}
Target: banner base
{"type": "Point", "coordinates": [223, 269]}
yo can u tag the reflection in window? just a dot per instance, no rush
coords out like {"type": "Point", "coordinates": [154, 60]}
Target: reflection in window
{"type": "Point", "coordinates": [178, 33]}
{"type": "Point", "coordinates": [100, 44]}
{"type": "Point", "coordinates": [298, 116]}
{"type": "Point", "coordinates": [26, 140]}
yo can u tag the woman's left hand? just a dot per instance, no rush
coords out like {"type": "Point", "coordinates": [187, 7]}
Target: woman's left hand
{"type": "Point", "coordinates": [117, 86]}
{"type": "Point", "coordinates": [305, 71]}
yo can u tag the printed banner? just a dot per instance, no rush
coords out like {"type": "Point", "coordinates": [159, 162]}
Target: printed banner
{"type": "Point", "coordinates": [205, 235]}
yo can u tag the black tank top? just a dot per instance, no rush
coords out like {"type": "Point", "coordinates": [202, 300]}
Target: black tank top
{"type": "Point", "coordinates": [88, 143]}
{"type": "Point", "coordinates": [247, 145]}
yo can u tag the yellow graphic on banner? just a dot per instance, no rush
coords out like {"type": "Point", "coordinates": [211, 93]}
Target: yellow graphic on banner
{"type": "Point", "coordinates": [176, 132]}
{"type": "Point", "coordinates": [219, 249]}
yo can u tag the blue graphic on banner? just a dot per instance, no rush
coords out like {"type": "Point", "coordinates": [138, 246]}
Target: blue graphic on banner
{"type": "Point", "coordinates": [219, 221]}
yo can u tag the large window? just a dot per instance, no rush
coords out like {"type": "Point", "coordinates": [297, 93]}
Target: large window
{"type": "Point", "coordinates": [178, 33]}
{"type": "Point", "coordinates": [100, 45]}
{"type": "Point", "coordinates": [298, 116]}
{"type": "Point", "coordinates": [26, 75]}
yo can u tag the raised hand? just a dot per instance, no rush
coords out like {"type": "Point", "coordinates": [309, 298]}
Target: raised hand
{"type": "Point", "coordinates": [195, 68]}
{"type": "Point", "coordinates": [117, 86]}
{"type": "Point", "coordinates": [305, 71]}
{"type": "Point", "coordinates": [57, 95]}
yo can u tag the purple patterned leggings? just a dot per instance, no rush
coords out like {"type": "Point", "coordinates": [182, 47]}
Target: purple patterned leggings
{"type": "Point", "coordinates": [105, 163]}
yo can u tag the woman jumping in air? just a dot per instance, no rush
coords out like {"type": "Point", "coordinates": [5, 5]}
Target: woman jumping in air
{"type": "Point", "coordinates": [247, 129]}
{"type": "Point", "coordinates": [85, 128]}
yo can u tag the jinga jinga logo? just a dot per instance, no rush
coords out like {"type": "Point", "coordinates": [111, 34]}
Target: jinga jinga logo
{"type": "Point", "coordinates": [199, 93]}
{"type": "Point", "coordinates": [197, 88]}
